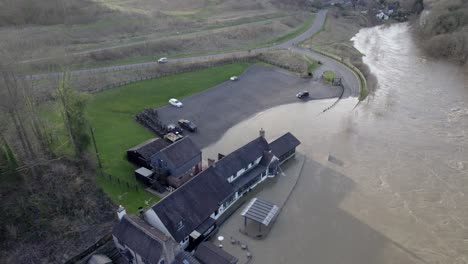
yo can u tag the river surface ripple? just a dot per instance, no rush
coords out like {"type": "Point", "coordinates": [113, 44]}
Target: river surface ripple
{"type": "Point", "coordinates": [399, 191]}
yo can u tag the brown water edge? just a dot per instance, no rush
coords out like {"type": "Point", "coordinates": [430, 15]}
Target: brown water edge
{"type": "Point", "coordinates": [399, 195]}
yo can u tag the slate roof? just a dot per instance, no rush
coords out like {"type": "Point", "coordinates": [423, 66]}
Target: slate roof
{"type": "Point", "coordinates": [187, 207]}
{"type": "Point", "coordinates": [149, 147]}
{"type": "Point", "coordinates": [240, 158]}
{"type": "Point", "coordinates": [180, 152]}
{"type": "Point", "coordinates": [284, 144]}
{"type": "Point", "coordinates": [140, 237]}
{"type": "Point", "coordinates": [248, 176]}
{"type": "Point", "coordinates": [183, 257]}
{"type": "Point", "coordinates": [260, 211]}
{"type": "Point", "coordinates": [208, 253]}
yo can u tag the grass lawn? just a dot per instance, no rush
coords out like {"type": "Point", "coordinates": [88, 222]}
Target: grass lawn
{"type": "Point", "coordinates": [111, 115]}
{"type": "Point", "coordinates": [294, 33]}
{"type": "Point", "coordinates": [313, 64]}
{"type": "Point", "coordinates": [328, 75]}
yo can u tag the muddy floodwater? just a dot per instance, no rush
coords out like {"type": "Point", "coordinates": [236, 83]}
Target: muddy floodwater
{"type": "Point", "coordinates": [396, 189]}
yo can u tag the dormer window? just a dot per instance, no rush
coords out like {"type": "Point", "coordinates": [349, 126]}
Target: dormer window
{"type": "Point", "coordinates": [180, 225]}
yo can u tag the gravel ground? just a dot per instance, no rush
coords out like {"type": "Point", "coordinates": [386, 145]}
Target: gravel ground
{"type": "Point", "coordinates": [258, 88]}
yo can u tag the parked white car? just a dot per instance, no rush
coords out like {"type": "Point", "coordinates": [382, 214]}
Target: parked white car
{"type": "Point", "coordinates": [162, 60]}
{"type": "Point", "coordinates": [175, 102]}
{"type": "Point", "coordinates": [234, 78]}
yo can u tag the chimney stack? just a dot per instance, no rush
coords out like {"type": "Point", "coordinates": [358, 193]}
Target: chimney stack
{"type": "Point", "coordinates": [121, 212]}
{"type": "Point", "coordinates": [262, 133]}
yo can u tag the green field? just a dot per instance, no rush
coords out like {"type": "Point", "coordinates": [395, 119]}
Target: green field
{"type": "Point", "coordinates": [313, 64]}
{"type": "Point", "coordinates": [111, 115]}
{"type": "Point", "coordinates": [329, 75]}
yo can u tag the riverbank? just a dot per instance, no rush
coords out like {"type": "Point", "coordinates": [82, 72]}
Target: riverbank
{"type": "Point", "coordinates": [335, 41]}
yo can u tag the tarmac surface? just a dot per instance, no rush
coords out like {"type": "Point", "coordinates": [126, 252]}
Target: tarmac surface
{"type": "Point", "coordinates": [260, 87]}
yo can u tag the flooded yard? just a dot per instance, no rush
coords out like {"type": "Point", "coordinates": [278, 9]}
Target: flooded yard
{"type": "Point", "coordinates": [394, 188]}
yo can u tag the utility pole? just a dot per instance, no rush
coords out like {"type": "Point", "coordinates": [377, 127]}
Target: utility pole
{"type": "Point", "coordinates": [96, 150]}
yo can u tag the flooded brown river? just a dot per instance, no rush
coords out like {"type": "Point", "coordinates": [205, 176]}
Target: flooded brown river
{"type": "Point", "coordinates": [397, 191]}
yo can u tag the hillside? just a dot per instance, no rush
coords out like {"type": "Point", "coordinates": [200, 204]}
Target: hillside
{"type": "Point", "coordinates": [443, 29]}
{"type": "Point", "coordinates": [50, 12]}
{"type": "Point", "coordinates": [53, 33]}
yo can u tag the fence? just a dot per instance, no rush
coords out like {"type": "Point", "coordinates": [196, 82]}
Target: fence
{"type": "Point", "coordinates": [130, 186]}
{"type": "Point", "coordinates": [177, 69]}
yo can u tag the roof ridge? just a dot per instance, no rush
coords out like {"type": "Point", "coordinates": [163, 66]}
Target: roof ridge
{"type": "Point", "coordinates": [137, 225]}
{"type": "Point", "coordinates": [185, 184]}
{"type": "Point", "coordinates": [175, 143]}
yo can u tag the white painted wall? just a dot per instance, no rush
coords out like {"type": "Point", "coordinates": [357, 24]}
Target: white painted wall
{"type": "Point", "coordinates": [184, 243]}
{"type": "Point", "coordinates": [153, 219]}
{"type": "Point", "coordinates": [258, 160]}
{"type": "Point", "coordinates": [240, 172]}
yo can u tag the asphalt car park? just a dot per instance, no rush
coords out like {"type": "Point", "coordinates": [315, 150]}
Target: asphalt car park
{"type": "Point", "coordinates": [260, 87]}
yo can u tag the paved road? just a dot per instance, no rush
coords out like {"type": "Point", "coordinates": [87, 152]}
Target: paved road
{"type": "Point", "coordinates": [350, 80]}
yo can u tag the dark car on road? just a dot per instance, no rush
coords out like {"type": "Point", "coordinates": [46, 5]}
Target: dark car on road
{"type": "Point", "coordinates": [189, 125]}
{"type": "Point", "coordinates": [302, 95]}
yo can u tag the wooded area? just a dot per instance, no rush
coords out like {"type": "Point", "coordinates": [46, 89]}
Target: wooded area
{"type": "Point", "coordinates": [50, 202]}
{"type": "Point", "coordinates": [443, 30]}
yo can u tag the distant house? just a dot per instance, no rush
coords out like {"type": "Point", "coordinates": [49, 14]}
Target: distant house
{"type": "Point", "coordinates": [177, 163]}
{"type": "Point", "coordinates": [189, 214]}
{"type": "Point", "coordinates": [382, 16]}
{"type": "Point", "coordinates": [207, 253]}
{"type": "Point", "coordinates": [141, 243]}
{"type": "Point", "coordinates": [141, 154]}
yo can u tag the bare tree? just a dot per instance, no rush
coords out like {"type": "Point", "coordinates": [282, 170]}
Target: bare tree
{"type": "Point", "coordinates": [73, 113]}
{"type": "Point", "coordinates": [12, 102]}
